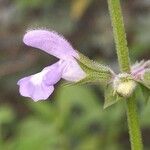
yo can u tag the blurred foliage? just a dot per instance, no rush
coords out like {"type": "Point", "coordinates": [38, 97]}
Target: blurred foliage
{"type": "Point", "coordinates": [33, 4]}
{"type": "Point", "coordinates": [78, 8]}
{"type": "Point", "coordinates": [74, 118]}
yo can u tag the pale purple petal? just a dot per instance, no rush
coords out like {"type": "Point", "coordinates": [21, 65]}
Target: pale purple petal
{"type": "Point", "coordinates": [40, 86]}
{"type": "Point", "coordinates": [50, 42]}
{"type": "Point", "coordinates": [37, 92]}
{"type": "Point", "coordinates": [138, 69]}
{"type": "Point", "coordinates": [73, 71]}
{"type": "Point", "coordinates": [137, 65]}
{"type": "Point", "coordinates": [54, 74]}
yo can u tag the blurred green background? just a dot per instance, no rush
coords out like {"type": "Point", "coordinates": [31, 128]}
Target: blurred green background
{"type": "Point", "coordinates": [73, 118]}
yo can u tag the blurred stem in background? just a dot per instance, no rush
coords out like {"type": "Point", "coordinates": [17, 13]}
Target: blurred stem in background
{"type": "Point", "coordinates": [1, 136]}
{"type": "Point", "coordinates": [124, 63]}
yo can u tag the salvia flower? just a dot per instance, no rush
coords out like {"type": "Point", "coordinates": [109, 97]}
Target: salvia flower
{"type": "Point", "coordinates": [41, 85]}
{"type": "Point", "coordinates": [77, 69]}
{"type": "Point", "coordinates": [72, 66]}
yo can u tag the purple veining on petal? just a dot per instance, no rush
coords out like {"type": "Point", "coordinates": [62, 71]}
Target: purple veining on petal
{"type": "Point", "coordinates": [50, 42]}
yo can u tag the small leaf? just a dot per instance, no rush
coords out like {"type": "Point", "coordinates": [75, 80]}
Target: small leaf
{"type": "Point", "coordinates": [144, 84]}
{"type": "Point", "coordinates": [146, 77]}
{"type": "Point", "coordinates": [145, 92]}
{"type": "Point", "coordinates": [110, 96]}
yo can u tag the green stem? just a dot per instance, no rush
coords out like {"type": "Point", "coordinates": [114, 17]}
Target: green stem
{"type": "Point", "coordinates": [133, 124]}
{"type": "Point", "coordinates": [119, 35]}
{"type": "Point", "coordinates": [124, 63]}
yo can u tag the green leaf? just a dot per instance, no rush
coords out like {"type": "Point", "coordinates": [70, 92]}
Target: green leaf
{"type": "Point", "coordinates": [144, 84]}
{"type": "Point", "coordinates": [146, 78]}
{"type": "Point", "coordinates": [110, 96]}
{"type": "Point", "coordinates": [145, 92]}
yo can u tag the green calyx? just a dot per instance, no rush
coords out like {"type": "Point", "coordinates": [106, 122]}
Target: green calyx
{"type": "Point", "coordinates": [95, 72]}
{"type": "Point", "coordinates": [122, 86]}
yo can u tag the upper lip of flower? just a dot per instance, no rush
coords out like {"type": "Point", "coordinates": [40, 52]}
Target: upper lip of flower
{"type": "Point", "coordinates": [50, 42]}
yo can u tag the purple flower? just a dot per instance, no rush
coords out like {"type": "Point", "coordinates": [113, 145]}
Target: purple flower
{"type": "Point", "coordinates": [41, 85]}
{"type": "Point", "coordinates": [138, 69]}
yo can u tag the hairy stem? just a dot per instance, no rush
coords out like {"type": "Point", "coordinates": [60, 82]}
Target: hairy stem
{"type": "Point", "coordinates": [124, 63]}
{"type": "Point", "coordinates": [133, 124]}
{"type": "Point", "coordinates": [119, 35]}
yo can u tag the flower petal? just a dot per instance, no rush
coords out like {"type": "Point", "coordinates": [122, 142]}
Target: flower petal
{"type": "Point", "coordinates": [138, 69]}
{"type": "Point", "coordinates": [40, 86]}
{"type": "Point", "coordinates": [54, 74]}
{"type": "Point", "coordinates": [73, 71]}
{"type": "Point", "coordinates": [50, 42]}
{"type": "Point", "coordinates": [36, 92]}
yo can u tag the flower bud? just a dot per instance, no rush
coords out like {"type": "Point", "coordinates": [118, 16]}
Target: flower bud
{"type": "Point", "coordinates": [124, 85]}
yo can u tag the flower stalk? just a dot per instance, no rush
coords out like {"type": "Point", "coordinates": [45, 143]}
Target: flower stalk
{"type": "Point", "coordinates": [124, 63]}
